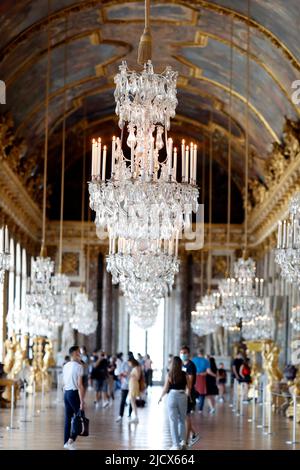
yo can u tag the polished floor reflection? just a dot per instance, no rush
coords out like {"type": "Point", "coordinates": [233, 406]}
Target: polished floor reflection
{"type": "Point", "coordinates": [224, 430]}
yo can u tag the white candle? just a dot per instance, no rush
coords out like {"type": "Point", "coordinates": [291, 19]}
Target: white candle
{"type": "Point", "coordinates": [183, 160]}
{"type": "Point", "coordinates": [187, 153]}
{"type": "Point", "coordinates": [6, 240]}
{"type": "Point", "coordinates": [171, 246]}
{"type": "Point", "coordinates": [175, 164]}
{"type": "Point", "coordinates": [279, 235]}
{"type": "Point", "coordinates": [104, 162]}
{"type": "Point", "coordinates": [176, 244]}
{"type": "Point", "coordinates": [170, 151]}
{"type": "Point", "coordinates": [113, 154]}
{"type": "Point", "coordinates": [284, 235]}
{"type": "Point", "coordinates": [261, 287]}
{"type": "Point", "coordinates": [132, 157]}
{"type": "Point", "coordinates": [192, 163]}
{"type": "Point", "coordinates": [257, 286]}
{"type": "Point", "coordinates": [151, 169]}
{"type": "Point", "coordinates": [2, 239]}
{"type": "Point", "coordinates": [195, 164]}
{"type": "Point", "coordinates": [98, 169]}
{"type": "Point", "coordinates": [93, 157]}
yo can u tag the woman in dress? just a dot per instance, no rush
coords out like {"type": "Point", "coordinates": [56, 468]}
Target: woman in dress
{"type": "Point", "coordinates": [211, 384]}
{"type": "Point", "coordinates": [134, 387]}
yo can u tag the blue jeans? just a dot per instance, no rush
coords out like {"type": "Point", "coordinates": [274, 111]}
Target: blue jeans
{"type": "Point", "coordinates": [177, 404]}
{"type": "Point", "coordinates": [72, 406]}
{"type": "Point", "coordinates": [201, 400]}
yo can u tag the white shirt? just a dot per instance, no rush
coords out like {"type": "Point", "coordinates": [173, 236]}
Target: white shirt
{"type": "Point", "coordinates": [71, 372]}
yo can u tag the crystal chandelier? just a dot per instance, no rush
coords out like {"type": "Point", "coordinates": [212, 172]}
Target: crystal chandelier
{"type": "Point", "coordinates": [84, 318]}
{"type": "Point", "coordinates": [258, 329]}
{"type": "Point", "coordinates": [144, 314]}
{"type": "Point", "coordinates": [4, 254]}
{"type": "Point", "coordinates": [242, 295]}
{"type": "Point", "coordinates": [143, 265]}
{"type": "Point", "coordinates": [40, 301]}
{"type": "Point", "coordinates": [287, 254]}
{"type": "Point", "coordinates": [142, 199]}
{"type": "Point", "coordinates": [203, 318]}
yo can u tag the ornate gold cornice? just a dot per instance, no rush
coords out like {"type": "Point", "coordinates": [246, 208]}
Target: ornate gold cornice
{"type": "Point", "coordinates": [269, 200]}
{"type": "Point", "coordinates": [17, 205]}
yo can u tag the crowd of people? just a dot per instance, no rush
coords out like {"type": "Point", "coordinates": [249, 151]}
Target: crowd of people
{"type": "Point", "coordinates": [189, 382]}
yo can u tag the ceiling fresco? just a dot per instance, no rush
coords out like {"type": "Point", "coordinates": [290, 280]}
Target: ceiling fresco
{"type": "Point", "coordinates": [194, 37]}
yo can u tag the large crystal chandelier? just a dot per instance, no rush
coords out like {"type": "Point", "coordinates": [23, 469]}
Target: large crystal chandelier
{"type": "Point", "coordinates": [258, 329]}
{"type": "Point", "coordinates": [203, 318]}
{"type": "Point", "coordinates": [143, 264]}
{"type": "Point", "coordinates": [142, 199]}
{"type": "Point", "coordinates": [84, 318]}
{"type": "Point", "coordinates": [242, 295]}
{"type": "Point", "coordinates": [40, 299]}
{"type": "Point", "coordinates": [287, 254]}
{"type": "Point", "coordinates": [4, 253]}
{"type": "Point", "coordinates": [143, 313]}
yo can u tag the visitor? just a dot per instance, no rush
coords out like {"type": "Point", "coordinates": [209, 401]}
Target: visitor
{"type": "Point", "coordinates": [134, 386]}
{"type": "Point", "coordinates": [245, 378]}
{"type": "Point", "coordinates": [148, 370]}
{"type": "Point", "coordinates": [111, 377]}
{"type": "Point", "coordinates": [211, 384]}
{"type": "Point", "coordinates": [236, 365]}
{"type": "Point", "coordinates": [67, 359]}
{"type": "Point", "coordinates": [100, 376]}
{"type": "Point", "coordinates": [190, 369]}
{"type": "Point", "coordinates": [141, 360]}
{"type": "Point", "coordinates": [175, 386]}
{"type": "Point", "coordinates": [124, 374]}
{"type": "Point", "coordinates": [119, 364]}
{"type": "Point", "coordinates": [222, 379]}
{"type": "Point", "coordinates": [93, 359]}
{"type": "Point", "coordinates": [73, 393]}
{"type": "Point", "coordinates": [202, 365]}
{"type": "Point", "coordinates": [170, 358]}
{"type": "Point", "coordinates": [85, 363]}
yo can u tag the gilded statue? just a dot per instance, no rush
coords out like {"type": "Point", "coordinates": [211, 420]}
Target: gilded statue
{"type": "Point", "coordinates": [270, 355]}
{"type": "Point", "coordinates": [10, 347]}
{"type": "Point", "coordinates": [48, 361]}
{"type": "Point", "coordinates": [294, 387]}
{"type": "Point", "coordinates": [13, 365]}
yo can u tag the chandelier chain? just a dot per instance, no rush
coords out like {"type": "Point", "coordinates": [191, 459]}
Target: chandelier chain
{"type": "Point", "coordinates": [63, 153]}
{"type": "Point", "coordinates": [48, 73]}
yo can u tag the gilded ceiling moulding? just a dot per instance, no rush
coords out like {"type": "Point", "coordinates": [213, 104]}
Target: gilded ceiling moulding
{"type": "Point", "coordinates": [268, 200]}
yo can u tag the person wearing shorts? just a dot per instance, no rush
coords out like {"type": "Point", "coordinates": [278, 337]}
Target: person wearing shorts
{"type": "Point", "coordinates": [100, 376]}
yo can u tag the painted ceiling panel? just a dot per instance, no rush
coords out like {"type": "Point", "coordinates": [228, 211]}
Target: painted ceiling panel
{"type": "Point", "coordinates": [191, 36]}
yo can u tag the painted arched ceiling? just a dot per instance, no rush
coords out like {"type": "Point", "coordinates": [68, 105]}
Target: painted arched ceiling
{"type": "Point", "coordinates": [193, 37]}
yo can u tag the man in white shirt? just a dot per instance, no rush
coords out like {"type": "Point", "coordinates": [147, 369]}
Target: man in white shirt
{"type": "Point", "coordinates": [73, 393]}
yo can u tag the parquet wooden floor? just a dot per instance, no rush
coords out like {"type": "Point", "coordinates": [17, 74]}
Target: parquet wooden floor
{"type": "Point", "coordinates": [223, 430]}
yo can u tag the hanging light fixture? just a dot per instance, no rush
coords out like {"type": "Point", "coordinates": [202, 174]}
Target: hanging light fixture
{"type": "Point", "coordinates": [60, 283]}
{"type": "Point", "coordinates": [203, 318]}
{"type": "Point", "coordinates": [84, 318]}
{"type": "Point", "coordinates": [242, 295]}
{"type": "Point", "coordinates": [287, 254]}
{"type": "Point", "coordinates": [40, 300]}
{"type": "Point", "coordinates": [4, 253]}
{"type": "Point", "coordinates": [142, 199]}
